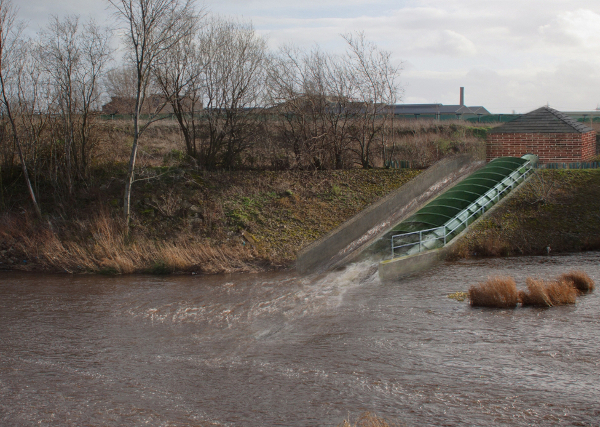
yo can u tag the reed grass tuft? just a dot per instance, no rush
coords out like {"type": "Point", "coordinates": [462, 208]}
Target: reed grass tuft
{"type": "Point", "coordinates": [561, 292]}
{"type": "Point", "coordinates": [541, 293]}
{"type": "Point", "coordinates": [536, 295]}
{"type": "Point", "coordinates": [501, 292]}
{"type": "Point", "coordinates": [497, 292]}
{"type": "Point", "coordinates": [580, 280]}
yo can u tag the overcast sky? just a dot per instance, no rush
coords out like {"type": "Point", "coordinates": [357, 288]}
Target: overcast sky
{"type": "Point", "coordinates": [509, 55]}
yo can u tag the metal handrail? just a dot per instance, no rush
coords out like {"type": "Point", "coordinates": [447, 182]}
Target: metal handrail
{"type": "Point", "coordinates": [479, 211]}
{"type": "Point", "coordinates": [421, 241]}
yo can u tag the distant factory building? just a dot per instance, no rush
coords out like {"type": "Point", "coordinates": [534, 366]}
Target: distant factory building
{"type": "Point", "coordinates": [551, 135]}
{"type": "Point", "coordinates": [440, 111]}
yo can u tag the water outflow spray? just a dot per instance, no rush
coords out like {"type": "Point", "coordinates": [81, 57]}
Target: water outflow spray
{"type": "Point", "coordinates": [256, 306]}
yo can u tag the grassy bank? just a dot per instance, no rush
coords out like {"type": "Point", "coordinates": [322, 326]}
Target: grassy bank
{"type": "Point", "coordinates": [189, 221]}
{"type": "Point", "coordinates": [556, 209]}
{"type": "Point", "coordinates": [420, 142]}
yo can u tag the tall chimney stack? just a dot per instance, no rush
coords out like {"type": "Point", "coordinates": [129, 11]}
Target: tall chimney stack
{"type": "Point", "coordinates": [462, 95]}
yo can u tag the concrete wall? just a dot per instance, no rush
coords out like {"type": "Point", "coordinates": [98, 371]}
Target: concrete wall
{"type": "Point", "coordinates": [550, 148]}
{"type": "Point", "coordinates": [352, 236]}
{"type": "Point", "coordinates": [393, 269]}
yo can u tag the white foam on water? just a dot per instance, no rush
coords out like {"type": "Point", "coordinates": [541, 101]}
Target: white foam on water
{"type": "Point", "coordinates": [233, 304]}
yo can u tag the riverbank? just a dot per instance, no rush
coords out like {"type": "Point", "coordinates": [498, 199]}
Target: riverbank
{"type": "Point", "coordinates": [555, 211]}
{"type": "Point", "coordinates": [190, 221]}
{"type": "Point", "coordinates": [224, 222]}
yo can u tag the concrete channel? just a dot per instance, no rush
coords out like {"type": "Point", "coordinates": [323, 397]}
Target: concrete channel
{"type": "Point", "coordinates": [349, 241]}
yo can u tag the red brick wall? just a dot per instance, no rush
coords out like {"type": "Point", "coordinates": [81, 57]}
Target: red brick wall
{"type": "Point", "coordinates": [550, 148]}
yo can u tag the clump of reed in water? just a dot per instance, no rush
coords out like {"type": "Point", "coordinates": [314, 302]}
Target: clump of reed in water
{"type": "Point", "coordinates": [501, 292]}
{"type": "Point", "coordinates": [548, 294]}
{"type": "Point", "coordinates": [497, 292]}
{"type": "Point", "coordinates": [369, 420]}
{"type": "Point", "coordinates": [580, 280]}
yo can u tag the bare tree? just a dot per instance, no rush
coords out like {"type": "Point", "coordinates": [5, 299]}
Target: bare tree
{"type": "Point", "coordinates": [96, 53]}
{"type": "Point", "coordinates": [120, 85]}
{"type": "Point", "coordinates": [75, 56]}
{"type": "Point", "coordinates": [13, 50]}
{"type": "Point", "coordinates": [61, 56]}
{"type": "Point", "coordinates": [121, 82]}
{"type": "Point", "coordinates": [152, 28]}
{"type": "Point", "coordinates": [33, 99]}
{"type": "Point", "coordinates": [233, 58]}
{"type": "Point", "coordinates": [312, 94]}
{"type": "Point", "coordinates": [295, 104]}
{"type": "Point", "coordinates": [179, 76]}
{"type": "Point", "coordinates": [376, 89]}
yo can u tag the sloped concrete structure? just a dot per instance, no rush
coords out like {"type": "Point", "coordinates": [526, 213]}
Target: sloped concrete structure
{"type": "Point", "coordinates": [346, 243]}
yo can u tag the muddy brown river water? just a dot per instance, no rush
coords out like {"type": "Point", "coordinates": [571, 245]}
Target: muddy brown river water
{"type": "Point", "coordinates": [286, 350]}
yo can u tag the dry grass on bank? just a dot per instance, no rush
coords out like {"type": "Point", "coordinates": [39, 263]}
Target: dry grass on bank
{"type": "Point", "coordinates": [497, 292]}
{"type": "Point", "coordinates": [421, 142]}
{"type": "Point", "coordinates": [580, 280]}
{"type": "Point", "coordinates": [188, 220]}
{"type": "Point", "coordinates": [101, 245]}
{"type": "Point", "coordinates": [369, 420]}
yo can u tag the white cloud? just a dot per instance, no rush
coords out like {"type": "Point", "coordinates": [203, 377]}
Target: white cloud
{"type": "Point", "coordinates": [448, 43]}
{"type": "Point", "coordinates": [578, 28]}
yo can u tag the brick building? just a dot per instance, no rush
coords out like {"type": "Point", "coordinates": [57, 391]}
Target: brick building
{"type": "Point", "coordinates": [553, 136]}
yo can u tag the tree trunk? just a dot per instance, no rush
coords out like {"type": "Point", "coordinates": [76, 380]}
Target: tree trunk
{"type": "Point", "coordinates": [36, 207]}
{"type": "Point", "coordinates": [132, 158]}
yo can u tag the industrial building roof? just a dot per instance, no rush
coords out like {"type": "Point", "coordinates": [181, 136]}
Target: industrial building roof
{"type": "Point", "coordinates": [438, 109]}
{"type": "Point", "coordinates": [543, 120]}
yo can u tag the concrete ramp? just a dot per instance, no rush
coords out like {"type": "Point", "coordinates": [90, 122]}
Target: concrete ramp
{"type": "Point", "coordinates": [348, 241]}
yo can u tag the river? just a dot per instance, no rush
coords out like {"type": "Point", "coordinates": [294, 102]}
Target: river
{"type": "Point", "coordinates": [285, 350]}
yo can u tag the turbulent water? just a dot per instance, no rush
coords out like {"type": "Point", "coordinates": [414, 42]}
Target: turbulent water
{"type": "Point", "coordinates": [285, 350]}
